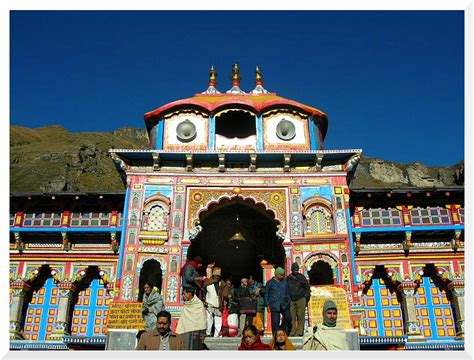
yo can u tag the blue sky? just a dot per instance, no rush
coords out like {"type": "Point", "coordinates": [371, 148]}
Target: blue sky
{"type": "Point", "coordinates": [391, 82]}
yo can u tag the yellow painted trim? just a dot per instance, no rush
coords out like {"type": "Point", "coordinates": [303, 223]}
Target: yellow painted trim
{"type": "Point", "coordinates": [159, 181]}
{"type": "Point", "coordinates": [285, 182]}
{"type": "Point", "coordinates": [189, 181]}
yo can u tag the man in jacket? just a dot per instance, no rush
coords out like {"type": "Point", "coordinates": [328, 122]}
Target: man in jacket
{"type": "Point", "coordinates": [191, 276]}
{"type": "Point", "coordinates": [161, 338]}
{"type": "Point", "coordinates": [277, 297]}
{"type": "Point", "coordinates": [300, 294]}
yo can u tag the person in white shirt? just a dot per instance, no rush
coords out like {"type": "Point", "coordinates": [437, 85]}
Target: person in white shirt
{"type": "Point", "coordinates": [213, 302]}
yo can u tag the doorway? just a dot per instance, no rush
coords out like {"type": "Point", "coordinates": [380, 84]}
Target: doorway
{"type": "Point", "coordinates": [237, 235]}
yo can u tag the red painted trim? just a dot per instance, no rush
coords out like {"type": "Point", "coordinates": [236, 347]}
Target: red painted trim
{"type": "Point", "coordinates": [233, 99]}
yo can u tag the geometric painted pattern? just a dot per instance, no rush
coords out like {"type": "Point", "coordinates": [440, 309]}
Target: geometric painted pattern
{"type": "Point", "coordinates": [430, 215]}
{"type": "Point", "coordinates": [42, 219]}
{"type": "Point", "coordinates": [383, 311]}
{"type": "Point", "coordinates": [90, 313]}
{"type": "Point", "coordinates": [434, 312]}
{"type": "Point", "coordinates": [42, 312]}
{"type": "Point", "coordinates": [90, 219]}
{"type": "Point", "coordinates": [381, 217]}
{"type": "Point", "coordinates": [319, 221]}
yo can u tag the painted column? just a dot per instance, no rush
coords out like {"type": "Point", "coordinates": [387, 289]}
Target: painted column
{"type": "Point", "coordinates": [268, 272]}
{"type": "Point", "coordinates": [457, 290]}
{"type": "Point", "coordinates": [412, 327]}
{"type": "Point", "coordinates": [66, 290]}
{"type": "Point", "coordinates": [20, 289]}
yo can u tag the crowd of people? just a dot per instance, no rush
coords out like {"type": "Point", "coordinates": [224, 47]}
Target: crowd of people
{"type": "Point", "coordinates": [213, 307]}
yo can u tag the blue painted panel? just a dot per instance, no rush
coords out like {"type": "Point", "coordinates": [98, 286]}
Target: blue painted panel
{"type": "Point", "coordinates": [312, 134]}
{"type": "Point", "coordinates": [124, 234]}
{"type": "Point", "coordinates": [323, 191]}
{"type": "Point", "coordinates": [259, 125]}
{"type": "Point", "coordinates": [212, 132]}
{"type": "Point", "coordinates": [159, 137]}
{"type": "Point", "coordinates": [164, 190]}
{"type": "Point", "coordinates": [351, 243]}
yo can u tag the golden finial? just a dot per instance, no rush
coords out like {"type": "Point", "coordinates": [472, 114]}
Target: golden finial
{"type": "Point", "coordinates": [258, 76]}
{"type": "Point", "coordinates": [259, 89]}
{"type": "Point", "coordinates": [235, 75]}
{"type": "Point", "coordinates": [212, 77]}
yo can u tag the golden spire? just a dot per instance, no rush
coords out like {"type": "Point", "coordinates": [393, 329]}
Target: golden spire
{"type": "Point", "coordinates": [212, 77]}
{"type": "Point", "coordinates": [258, 76]}
{"type": "Point", "coordinates": [212, 82]}
{"type": "Point", "coordinates": [259, 89]}
{"type": "Point", "coordinates": [235, 75]}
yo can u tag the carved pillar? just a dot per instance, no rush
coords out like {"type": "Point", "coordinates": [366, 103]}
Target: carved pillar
{"type": "Point", "coordinates": [114, 243]}
{"type": "Point", "coordinates": [456, 240]}
{"type": "Point", "coordinates": [66, 290]}
{"type": "Point", "coordinates": [457, 290]}
{"type": "Point", "coordinates": [358, 236]}
{"type": "Point", "coordinates": [454, 212]}
{"type": "Point", "coordinates": [268, 272]}
{"type": "Point", "coordinates": [412, 327]}
{"type": "Point", "coordinates": [357, 217]}
{"type": "Point", "coordinates": [406, 214]}
{"type": "Point", "coordinates": [20, 289]}
{"type": "Point", "coordinates": [65, 241]}
{"type": "Point", "coordinates": [407, 242]}
{"type": "Point", "coordinates": [19, 245]}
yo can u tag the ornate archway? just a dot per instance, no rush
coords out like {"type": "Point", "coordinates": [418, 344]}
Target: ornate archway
{"type": "Point", "coordinates": [238, 256]}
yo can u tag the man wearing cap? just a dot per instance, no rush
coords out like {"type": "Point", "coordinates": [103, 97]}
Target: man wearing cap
{"type": "Point", "coordinates": [214, 301]}
{"type": "Point", "coordinates": [277, 297]}
{"type": "Point", "coordinates": [327, 336]}
{"type": "Point", "coordinates": [299, 295]}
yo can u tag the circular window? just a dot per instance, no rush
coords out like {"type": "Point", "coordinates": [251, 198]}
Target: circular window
{"type": "Point", "coordinates": [186, 131]}
{"type": "Point", "coordinates": [285, 130]}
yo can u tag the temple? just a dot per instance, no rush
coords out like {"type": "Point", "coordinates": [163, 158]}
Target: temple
{"type": "Point", "coordinates": [242, 179]}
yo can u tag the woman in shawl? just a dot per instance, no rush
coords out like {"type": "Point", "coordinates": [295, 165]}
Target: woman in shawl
{"type": "Point", "coordinates": [327, 336]}
{"type": "Point", "coordinates": [192, 321]}
{"type": "Point", "coordinates": [280, 341]}
{"type": "Point", "coordinates": [251, 340]}
{"type": "Point", "coordinates": [151, 306]}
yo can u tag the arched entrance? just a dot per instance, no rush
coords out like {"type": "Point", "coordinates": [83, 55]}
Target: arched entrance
{"type": "Point", "coordinates": [150, 272]}
{"type": "Point", "coordinates": [320, 273]}
{"type": "Point", "coordinates": [238, 256]}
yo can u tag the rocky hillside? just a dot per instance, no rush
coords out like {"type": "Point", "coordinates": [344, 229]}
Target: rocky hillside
{"type": "Point", "coordinates": [378, 173]}
{"type": "Point", "coordinates": [51, 159]}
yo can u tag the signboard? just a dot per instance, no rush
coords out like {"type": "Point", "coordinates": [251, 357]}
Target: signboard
{"type": "Point", "coordinates": [125, 316]}
{"type": "Point", "coordinates": [319, 294]}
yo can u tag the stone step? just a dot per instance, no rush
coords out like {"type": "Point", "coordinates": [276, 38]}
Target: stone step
{"type": "Point", "coordinates": [233, 343]}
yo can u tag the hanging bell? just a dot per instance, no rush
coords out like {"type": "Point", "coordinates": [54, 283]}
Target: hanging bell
{"type": "Point", "coordinates": [237, 237]}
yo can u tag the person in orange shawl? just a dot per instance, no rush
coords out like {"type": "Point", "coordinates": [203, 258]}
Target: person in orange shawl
{"type": "Point", "coordinates": [280, 341]}
{"type": "Point", "coordinates": [251, 340]}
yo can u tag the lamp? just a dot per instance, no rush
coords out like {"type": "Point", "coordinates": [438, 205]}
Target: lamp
{"type": "Point", "coordinates": [237, 237]}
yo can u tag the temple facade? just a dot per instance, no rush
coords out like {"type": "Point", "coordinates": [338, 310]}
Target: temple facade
{"type": "Point", "coordinates": [243, 180]}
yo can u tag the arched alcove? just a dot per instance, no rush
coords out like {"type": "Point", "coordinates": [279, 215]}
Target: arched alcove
{"type": "Point", "coordinates": [320, 273]}
{"type": "Point", "coordinates": [151, 272]}
{"type": "Point", "coordinates": [235, 123]}
{"type": "Point", "coordinates": [89, 304]}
